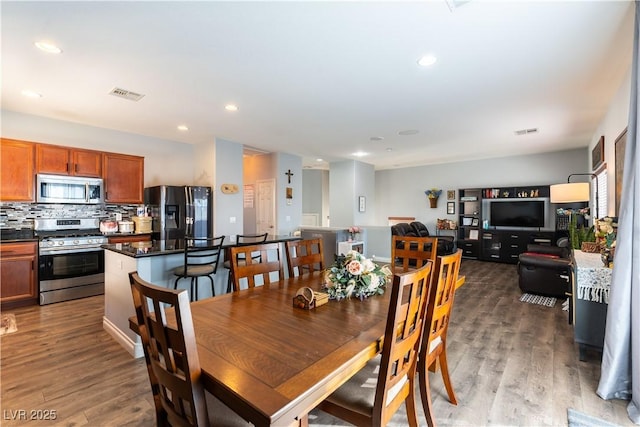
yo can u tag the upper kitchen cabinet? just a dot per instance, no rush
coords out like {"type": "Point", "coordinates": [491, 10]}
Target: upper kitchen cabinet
{"type": "Point", "coordinates": [54, 159]}
{"type": "Point", "coordinates": [124, 178]}
{"type": "Point", "coordinates": [16, 171]}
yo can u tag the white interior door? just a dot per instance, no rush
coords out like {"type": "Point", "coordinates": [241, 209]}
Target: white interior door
{"type": "Point", "coordinates": [266, 207]}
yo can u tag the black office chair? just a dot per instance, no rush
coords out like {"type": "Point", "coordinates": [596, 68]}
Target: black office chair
{"type": "Point", "coordinates": [242, 240]}
{"type": "Point", "coordinates": [201, 258]}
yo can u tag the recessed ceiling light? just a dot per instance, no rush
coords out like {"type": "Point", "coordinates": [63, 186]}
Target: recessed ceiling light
{"type": "Point", "coordinates": [389, 149]}
{"type": "Point", "coordinates": [31, 94]}
{"type": "Point", "coordinates": [231, 107]}
{"type": "Point", "coordinates": [319, 160]}
{"type": "Point", "coordinates": [359, 154]}
{"type": "Point", "coordinates": [408, 132]}
{"type": "Point", "coordinates": [47, 47]}
{"type": "Point", "coordinates": [183, 128]}
{"type": "Point", "coordinates": [376, 138]}
{"type": "Point", "coordinates": [427, 61]}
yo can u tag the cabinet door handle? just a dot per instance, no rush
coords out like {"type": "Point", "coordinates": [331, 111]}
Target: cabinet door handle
{"type": "Point", "coordinates": [75, 167]}
{"type": "Point", "coordinates": [67, 167]}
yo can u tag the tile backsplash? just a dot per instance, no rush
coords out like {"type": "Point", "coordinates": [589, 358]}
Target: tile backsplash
{"type": "Point", "coordinates": [21, 215]}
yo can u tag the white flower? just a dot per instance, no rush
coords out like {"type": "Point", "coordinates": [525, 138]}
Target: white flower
{"type": "Point", "coordinates": [368, 265]}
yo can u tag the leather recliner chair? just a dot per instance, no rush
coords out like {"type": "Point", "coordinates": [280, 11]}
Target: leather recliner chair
{"type": "Point", "coordinates": [546, 270]}
{"type": "Point", "coordinates": [446, 245]}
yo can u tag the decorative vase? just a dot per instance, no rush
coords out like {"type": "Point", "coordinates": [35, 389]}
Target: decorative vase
{"type": "Point", "coordinates": [433, 202]}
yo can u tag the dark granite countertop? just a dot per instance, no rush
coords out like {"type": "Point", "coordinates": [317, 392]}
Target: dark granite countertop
{"type": "Point", "coordinates": [169, 246]}
{"type": "Point", "coordinates": [12, 235]}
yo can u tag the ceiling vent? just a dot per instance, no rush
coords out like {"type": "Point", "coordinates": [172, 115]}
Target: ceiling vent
{"type": "Point", "coordinates": [126, 94]}
{"type": "Point", "coordinates": [526, 131]}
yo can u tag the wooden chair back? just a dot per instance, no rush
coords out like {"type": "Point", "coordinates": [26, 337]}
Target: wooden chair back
{"type": "Point", "coordinates": [395, 369]}
{"type": "Point", "coordinates": [434, 343]}
{"type": "Point", "coordinates": [410, 252]}
{"type": "Point", "coordinates": [171, 354]}
{"type": "Point", "coordinates": [304, 256]}
{"type": "Point", "coordinates": [250, 262]}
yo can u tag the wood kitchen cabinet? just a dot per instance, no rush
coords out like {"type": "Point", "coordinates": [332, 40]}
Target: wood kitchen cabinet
{"type": "Point", "coordinates": [124, 178]}
{"type": "Point", "coordinates": [130, 238]}
{"type": "Point", "coordinates": [55, 159]}
{"type": "Point", "coordinates": [18, 274]}
{"type": "Point", "coordinates": [16, 170]}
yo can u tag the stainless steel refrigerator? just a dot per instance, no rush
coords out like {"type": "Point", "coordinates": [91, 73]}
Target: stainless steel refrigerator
{"type": "Point", "coordinates": [180, 211]}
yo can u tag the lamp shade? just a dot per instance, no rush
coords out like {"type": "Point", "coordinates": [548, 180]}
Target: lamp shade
{"type": "Point", "coordinates": [570, 193]}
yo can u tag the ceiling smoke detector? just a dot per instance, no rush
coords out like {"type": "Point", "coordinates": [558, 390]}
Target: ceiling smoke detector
{"type": "Point", "coordinates": [126, 94]}
{"type": "Point", "coordinates": [526, 131]}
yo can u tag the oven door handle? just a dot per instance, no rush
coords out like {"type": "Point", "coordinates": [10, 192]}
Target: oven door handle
{"type": "Point", "coordinates": [71, 250]}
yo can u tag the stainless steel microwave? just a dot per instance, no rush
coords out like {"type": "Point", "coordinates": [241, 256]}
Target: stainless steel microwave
{"type": "Point", "coordinates": [69, 189]}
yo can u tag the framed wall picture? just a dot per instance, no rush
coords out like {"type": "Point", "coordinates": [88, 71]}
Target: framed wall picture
{"type": "Point", "coordinates": [451, 194]}
{"type": "Point", "coordinates": [621, 142]}
{"type": "Point", "coordinates": [597, 154]}
{"type": "Point", "coordinates": [362, 204]}
{"type": "Point", "coordinates": [451, 208]}
{"type": "Point", "coordinates": [475, 222]}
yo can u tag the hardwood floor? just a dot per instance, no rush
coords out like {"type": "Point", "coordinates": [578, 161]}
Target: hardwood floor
{"type": "Point", "coordinates": [511, 363]}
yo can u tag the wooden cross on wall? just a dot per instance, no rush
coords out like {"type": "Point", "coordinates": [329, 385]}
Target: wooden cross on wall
{"type": "Point", "coordinates": [289, 175]}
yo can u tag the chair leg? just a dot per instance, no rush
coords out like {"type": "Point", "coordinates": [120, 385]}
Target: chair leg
{"type": "Point", "coordinates": [213, 289]}
{"type": "Point", "coordinates": [175, 285]}
{"type": "Point", "coordinates": [425, 393]}
{"type": "Point", "coordinates": [230, 277]}
{"type": "Point", "coordinates": [194, 290]}
{"type": "Point", "coordinates": [445, 376]}
{"type": "Point", "coordinates": [410, 403]}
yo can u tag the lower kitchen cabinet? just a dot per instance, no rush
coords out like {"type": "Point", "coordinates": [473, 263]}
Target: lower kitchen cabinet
{"type": "Point", "coordinates": [129, 238]}
{"type": "Point", "coordinates": [18, 274]}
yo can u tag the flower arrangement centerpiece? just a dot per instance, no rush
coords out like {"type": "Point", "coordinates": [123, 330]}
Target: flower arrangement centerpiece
{"type": "Point", "coordinates": [354, 275]}
{"type": "Point", "coordinates": [353, 231]}
{"type": "Point", "coordinates": [433, 195]}
{"type": "Point", "coordinates": [606, 234]}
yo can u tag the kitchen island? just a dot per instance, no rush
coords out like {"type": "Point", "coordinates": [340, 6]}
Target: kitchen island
{"type": "Point", "coordinates": [154, 261]}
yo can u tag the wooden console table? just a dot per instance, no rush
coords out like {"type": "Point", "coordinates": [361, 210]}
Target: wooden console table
{"type": "Point", "coordinates": [590, 301]}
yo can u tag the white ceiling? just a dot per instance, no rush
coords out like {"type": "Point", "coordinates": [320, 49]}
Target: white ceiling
{"type": "Point", "coordinates": [320, 79]}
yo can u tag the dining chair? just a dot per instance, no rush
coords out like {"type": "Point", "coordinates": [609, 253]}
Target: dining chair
{"type": "Point", "coordinates": [434, 343]}
{"type": "Point", "coordinates": [410, 252]}
{"type": "Point", "coordinates": [168, 339]}
{"type": "Point", "coordinates": [374, 394]}
{"type": "Point", "coordinates": [249, 262]}
{"type": "Point", "coordinates": [304, 256]}
{"type": "Point", "coordinates": [201, 258]}
{"type": "Point", "coordinates": [242, 239]}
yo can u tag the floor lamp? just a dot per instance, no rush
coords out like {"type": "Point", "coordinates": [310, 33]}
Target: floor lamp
{"type": "Point", "coordinates": [574, 192]}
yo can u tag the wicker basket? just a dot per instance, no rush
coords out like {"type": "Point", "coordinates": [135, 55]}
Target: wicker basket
{"type": "Point", "coordinates": [590, 247]}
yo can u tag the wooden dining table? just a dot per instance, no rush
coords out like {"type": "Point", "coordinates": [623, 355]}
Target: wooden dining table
{"type": "Point", "coordinates": [273, 363]}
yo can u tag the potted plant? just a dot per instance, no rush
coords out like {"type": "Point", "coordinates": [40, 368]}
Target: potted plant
{"type": "Point", "coordinates": [433, 195]}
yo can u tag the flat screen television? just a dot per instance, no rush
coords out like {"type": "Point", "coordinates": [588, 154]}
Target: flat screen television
{"type": "Point", "coordinates": [517, 213]}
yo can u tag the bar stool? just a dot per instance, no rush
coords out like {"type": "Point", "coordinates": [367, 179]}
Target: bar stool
{"type": "Point", "coordinates": [201, 258]}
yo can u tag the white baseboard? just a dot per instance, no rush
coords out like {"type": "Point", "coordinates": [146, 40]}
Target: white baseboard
{"type": "Point", "coordinates": [134, 348]}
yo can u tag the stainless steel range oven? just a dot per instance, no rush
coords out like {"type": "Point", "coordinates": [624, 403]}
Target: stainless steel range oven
{"type": "Point", "coordinates": [71, 261]}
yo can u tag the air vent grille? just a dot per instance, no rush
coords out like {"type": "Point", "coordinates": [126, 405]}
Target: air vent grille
{"type": "Point", "coordinates": [126, 94]}
{"type": "Point", "coordinates": [526, 131]}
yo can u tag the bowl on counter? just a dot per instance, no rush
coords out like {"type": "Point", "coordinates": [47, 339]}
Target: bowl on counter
{"type": "Point", "coordinates": [125, 226]}
{"type": "Point", "coordinates": [108, 226]}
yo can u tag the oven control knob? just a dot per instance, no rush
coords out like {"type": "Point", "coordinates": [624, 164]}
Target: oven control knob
{"type": "Point", "coordinates": [50, 243]}
{"type": "Point", "coordinates": [76, 242]}
{"type": "Point", "coordinates": [60, 243]}
{"type": "Point", "coordinates": [90, 241]}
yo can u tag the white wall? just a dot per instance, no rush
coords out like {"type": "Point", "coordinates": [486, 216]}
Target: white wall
{"type": "Point", "coordinates": [614, 122]}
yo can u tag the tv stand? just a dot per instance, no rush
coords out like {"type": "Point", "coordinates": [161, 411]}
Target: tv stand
{"type": "Point", "coordinates": [507, 245]}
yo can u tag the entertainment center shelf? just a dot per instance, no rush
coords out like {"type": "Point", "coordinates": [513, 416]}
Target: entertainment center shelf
{"type": "Point", "coordinates": [522, 216]}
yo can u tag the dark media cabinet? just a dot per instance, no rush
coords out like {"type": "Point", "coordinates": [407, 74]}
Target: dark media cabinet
{"type": "Point", "coordinates": [478, 239]}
